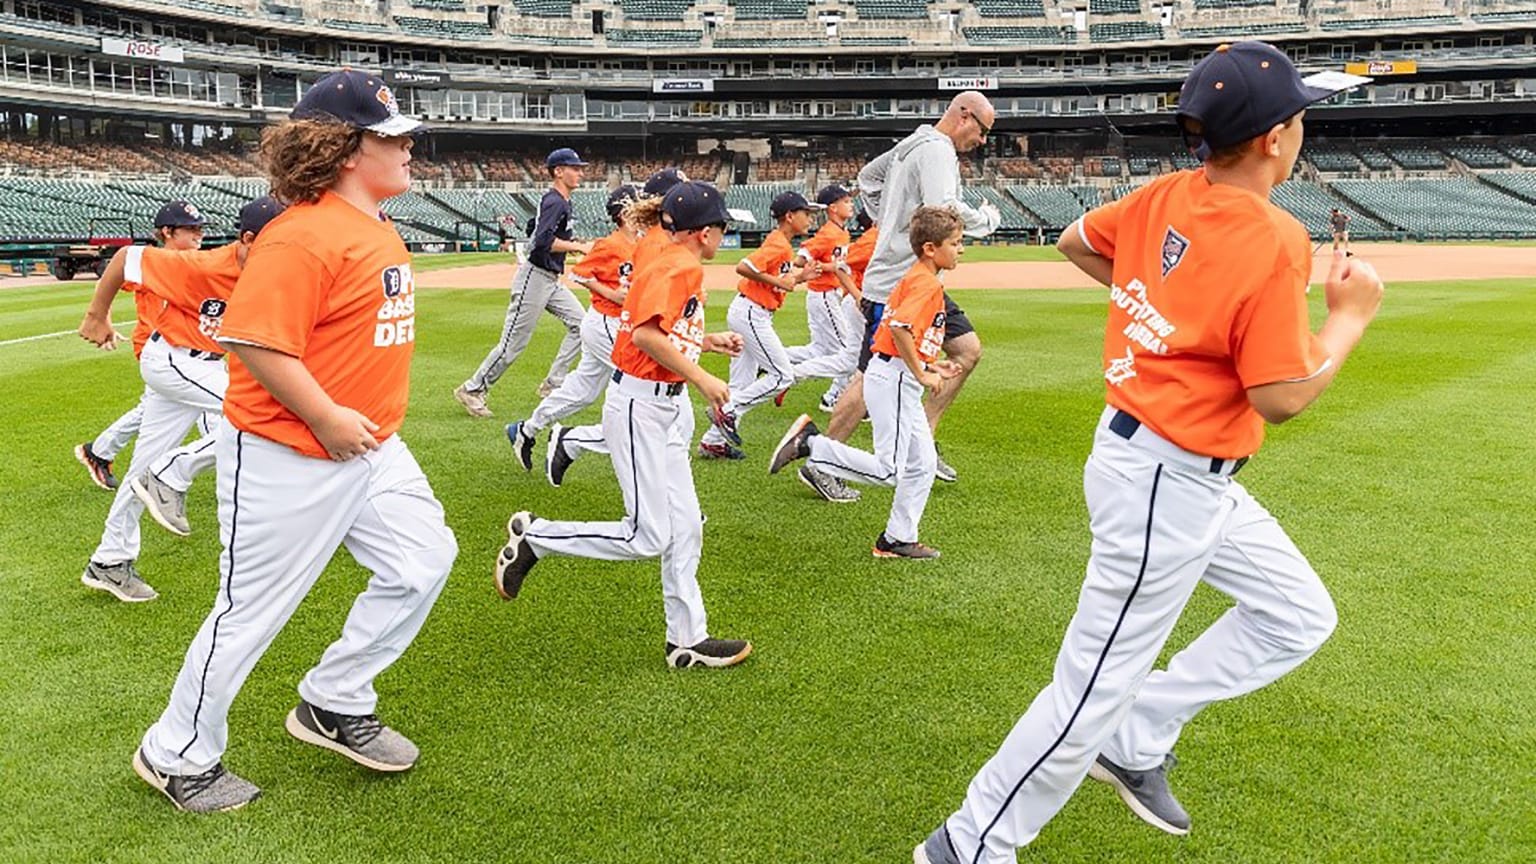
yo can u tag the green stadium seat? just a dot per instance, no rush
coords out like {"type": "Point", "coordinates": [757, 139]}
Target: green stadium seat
{"type": "Point", "coordinates": [1009, 8]}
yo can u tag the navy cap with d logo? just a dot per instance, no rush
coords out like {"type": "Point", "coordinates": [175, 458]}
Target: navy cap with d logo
{"type": "Point", "coordinates": [1245, 89]}
{"type": "Point", "coordinates": [255, 215]}
{"type": "Point", "coordinates": [663, 180]}
{"type": "Point", "coordinates": [618, 198]}
{"type": "Point", "coordinates": [358, 99]}
{"type": "Point", "coordinates": [788, 202]}
{"type": "Point", "coordinates": [695, 204]}
{"type": "Point", "coordinates": [179, 214]}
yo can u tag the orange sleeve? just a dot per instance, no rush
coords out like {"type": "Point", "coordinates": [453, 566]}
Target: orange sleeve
{"type": "Point", "coordinates": [820, 247]}
{"type": "Point", "coordinates": [178, 278]}
{"type": "Point", "coordinates": [771, 256]}
{"type": "Point", "coordinates": [1272, 338]}
{"type": "Point", "coordinates": [279, 298]}
{"type": "Point", "coordinates": [650, 300]}
{"type": "Point", "coordinates": [916, 298]}
{"type": "Point", "coordinates": [680, 285]}
{"type": "Point", "coordinates": [600, 264]}
{"type": "Point", "coordinates": [1100, 226]}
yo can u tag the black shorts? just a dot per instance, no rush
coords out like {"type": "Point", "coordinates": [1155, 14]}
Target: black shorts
{"type": "Point", "coordinates": [956, 324]}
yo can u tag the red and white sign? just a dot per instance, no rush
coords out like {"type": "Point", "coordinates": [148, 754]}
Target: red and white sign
{"type": "Point", "coordinates": [142, 49]}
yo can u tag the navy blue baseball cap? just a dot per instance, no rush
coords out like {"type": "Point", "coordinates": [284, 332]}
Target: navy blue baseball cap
{"type": "Point", "coordinates": [662, 181]}
{"type": "Point", "coordinates": [564, 157]}
{"type": "Point", "coordinates": [1243, 90]}
{"type": "Point", "coordinates": [179, 214]}
{"type": "Point", "coordinates": [694, 204]}
{"type": "Point", "coordinates": [830, 195]}
{"type": "Point", "coordinates": [620, 197]}
{"type": "Point", "coordinates": [358, 99]}
{"type": "Point", "coordinates": [255, 215]}
{"type": "Point", "coordinates": [788, 202]}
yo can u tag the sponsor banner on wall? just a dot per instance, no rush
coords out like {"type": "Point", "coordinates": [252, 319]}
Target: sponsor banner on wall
{"type": "Point", "coordinates": [415, 76]}
{"type": "Point", "coordinates": [967, 83]}
{"type": "Point", "coordinates": [142, 48]}
{"type": "Point", "coordinates": [1375, 68]}
{"type": "Point", "coordinates": [683, 85]}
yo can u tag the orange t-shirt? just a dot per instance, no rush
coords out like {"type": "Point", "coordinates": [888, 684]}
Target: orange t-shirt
{"type": "Point", "coordinates": [652, 242]}
{"type": "Point", "coordinates": [671, 293]}
{"type": "Point", "coordinates": [829, 246]}
{"type": "Point", "coordinates": [916, 305]}
{"type": "Point", "coordinates": [192, 286]}
{"type": "Point", "coordinates": [146, 307]}
{"type": "Point", "coordinates": [1209, 299]}
{"type": "Point", "coordinates": [775, 257]}
{"type": "Point", "coordinates": [611, 263]}
{"type": "Point", "coordinates": [859, 254]}
{"type": "Point", "coordinates": [332, 286]}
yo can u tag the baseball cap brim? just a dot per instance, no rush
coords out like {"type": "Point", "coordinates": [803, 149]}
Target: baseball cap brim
{"type": "Point", "coordinates": [396, 126]}
{"type": "Point", "coordinates": [1321, 85]}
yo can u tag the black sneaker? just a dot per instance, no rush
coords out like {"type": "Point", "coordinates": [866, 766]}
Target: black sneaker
{"type": "Point", "coordinates": [100, 469]}
{"type": "Point", "coordinates": [522, 444]}
{"type": "Point", "coordinates": [516, 558]}
{"type": "Point", "coordinates": [796, 444]}
{"type": "Point", "coordinates": [213, 791]}
{"type": "Point", "coordinates": [359, 737]}
{"type": "Point", "coordinates": [710, 652]}
{"type": "Point", "coordinates": [557, 461]}
{"type": "Point", "coordinates": [885, 547]}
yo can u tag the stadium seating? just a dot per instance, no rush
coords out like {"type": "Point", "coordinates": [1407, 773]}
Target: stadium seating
{"type": "Point", "coordinates": [1009, 8]}
{"type": "Point", "coordinates": [658, 38]}
{"type": "Point", "coordinates": [776, 170]}
{"type": "Point", "coordinates": [358, 26]}
{"type": "Point", "coordinates": [1055, 206]}
{"type": "Point", "coordinates": [1313, 207]}
{"type": "Point", "coordinates": [768, 42]}
{"type": "Point", "coordinates": [1388, 23]}
{"type": "Point", "coordinates": [1456, 208]}
{"type": "Point", "coordinates": [1523, 154]}
{"type": "Point", "coordinates": [1506, 15]}
{"type": "Point", "coordinates": [769, 10]}
{"type": "Point", "coordinates": [890, 9]}
{"type": "Point", "coordinates": [655, 10]}
{"type": "Point", "coordinates": [1230, 4]}
{"type": "Point", "coordinates": [756, 197]}
{"type": "Point", "coordinates": [544, 8]}
{"type": "Point", "coordinates": [1520, 184]}
{"type": "Point", "coordinates": [1416, 157]}
{"type": "Point", "coordinates": [1475, 154]}
{"type": "Point", "coordinates": [1326, 156]}
{"type": "Point", "coordinates": [1014, 218]}
{"type": "Point", "coordinates": [442, 28]}
{"type": "Point", "coordinates": [445, 5]}
{"type": "Point", "coordinates": [1374, 158]}
{"type": "Point", "coordinates": [1125, 31]}
{"type": "Point", "coordinates": [1114, 7]}
{"type": "Point", "coordinates": [854, 41]}
{"type": "Point", "coordinates": [1235, 31]}
{"type": "Point", "coordinates": [1006, 35]}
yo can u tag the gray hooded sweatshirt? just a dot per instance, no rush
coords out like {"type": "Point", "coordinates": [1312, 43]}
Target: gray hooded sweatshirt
{"type": "Point", "coordinates": [920, 170]}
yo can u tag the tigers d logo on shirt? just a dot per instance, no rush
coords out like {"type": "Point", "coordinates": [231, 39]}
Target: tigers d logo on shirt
{"type": "Point", "coordinates": [210, 314]}
{"type": "Point", "coordinates": [1174, 247]}
{"type": "Point", "coordinates": [397, 314]}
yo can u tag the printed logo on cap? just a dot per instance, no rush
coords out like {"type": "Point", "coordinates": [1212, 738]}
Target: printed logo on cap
{"type": "Point", "coordinates": [192, 211]}
{"type": "Point", "coordinates": [386, 98]}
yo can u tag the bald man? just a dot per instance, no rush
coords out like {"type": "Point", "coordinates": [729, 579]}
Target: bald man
{"type": "Point", "coordinates": [922, 170]}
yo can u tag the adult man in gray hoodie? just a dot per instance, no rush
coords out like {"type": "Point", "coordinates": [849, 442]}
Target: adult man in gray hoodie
{"type": "Point", "coordinates": [922, 170]}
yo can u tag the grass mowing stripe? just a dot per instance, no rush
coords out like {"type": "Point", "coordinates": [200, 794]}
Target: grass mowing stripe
{"type": "Point", "coordinates": [550, 728]}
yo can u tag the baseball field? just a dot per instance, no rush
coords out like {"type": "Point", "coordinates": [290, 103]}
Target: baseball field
{"type": "Point", "coordinates": [552, 732]}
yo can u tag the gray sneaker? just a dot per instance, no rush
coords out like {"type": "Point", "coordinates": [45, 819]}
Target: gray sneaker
{"type": "Point", "coordinates": [943, 470]}
{"type": "Point", "coordinates": [213, 791]}
{"type": "Point", "coordinates": [473, 401]}
{"type": "Point", "coordinates": [165, 505]}
{"type": "Point", "coordinates": [831, 488]}
{"type": "Point", "coordinates": [120, 580]}
{"type": "Point", "coordinates": [935, 850]}
{"type": "Point", "coordinates": [359, 737]}
{"type": "Point", "coordinates": [1146, 793]}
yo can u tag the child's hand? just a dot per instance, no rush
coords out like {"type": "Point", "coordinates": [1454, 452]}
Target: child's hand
{"type": "Point", "coordinates": [714, 391]}
{"type": "Point", "coordinates": [727, 343]}
{"type": "Point", "coordinates": [345, 433]}
{"type": "Point", "coordinates": [932, 381]}
{"type": "Point", "coordinates": [945, 368]}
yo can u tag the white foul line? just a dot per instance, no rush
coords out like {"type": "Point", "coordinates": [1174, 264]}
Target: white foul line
{"type": "Point", "coordinates": [53, 335]}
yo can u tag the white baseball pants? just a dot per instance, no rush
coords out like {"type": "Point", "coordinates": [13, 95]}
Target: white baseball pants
{"type": "Point", "coordinates": [649, 434]}
{"type": "Point", "coordinates": [182, 389]}
{"type": "Point", "coordinates": [533, 291]}
{"type": "Point", "coordinates": [904, 454]}
{"type": "Point", "coordinates": [583, 386]}
{"type": "Point", "coordinates": [762, 349]}
{"type": "Point", "coordinates": [1162, 522]}
{"type": "Point", "coordinates": [281, 517]}
{"type": "Point", "coordinates": [836, 327]}
{"type": "Point", "coordinates": [114, 438]}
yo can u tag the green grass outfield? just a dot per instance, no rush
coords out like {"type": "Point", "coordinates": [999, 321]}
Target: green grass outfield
{"type": "Point", "coordinates": [552, 732]}
{"type": "Point", "coordinates": [973, 252]}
